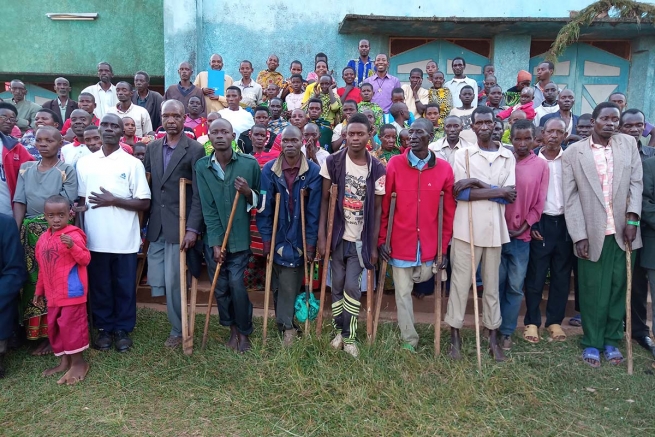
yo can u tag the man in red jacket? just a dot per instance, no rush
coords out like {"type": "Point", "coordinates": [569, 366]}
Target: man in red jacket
{"type": "Point", "coordinates": [417, 177]}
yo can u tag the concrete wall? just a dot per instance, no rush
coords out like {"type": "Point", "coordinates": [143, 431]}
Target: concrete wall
{"type": "Point", "coordinates": [642, 76]}
{"type": "Point", "coordinates": [127, 34]}
{"type": "Point", "coordinates": [297, 30]}
{"type": "Point", "coordinates": [510, 54]}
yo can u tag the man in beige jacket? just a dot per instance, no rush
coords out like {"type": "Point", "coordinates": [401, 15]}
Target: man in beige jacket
{"type": "Point", "coordinates": [602, 186]}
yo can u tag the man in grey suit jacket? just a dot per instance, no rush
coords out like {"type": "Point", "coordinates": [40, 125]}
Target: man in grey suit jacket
{"type": "Point", "coordinates": [168, 160]}
{"type": "Point", "coordinates": [602, 186]}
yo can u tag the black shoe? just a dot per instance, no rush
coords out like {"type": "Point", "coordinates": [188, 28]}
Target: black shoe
{"type": "Point", "coordinates": [646, 342]}
{"type": "Point", "coordinates": [122, 341]}
{"type": "Point", "coordinates": [2, 367]}
{"type": "Point", "coordinates": [103, 340]}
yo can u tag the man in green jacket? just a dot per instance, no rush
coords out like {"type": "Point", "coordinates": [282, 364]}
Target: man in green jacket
{"type": "Point", "coordinates": [220, 176]}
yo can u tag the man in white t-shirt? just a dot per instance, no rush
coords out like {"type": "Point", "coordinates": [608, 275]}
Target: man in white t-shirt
{"type": "Point", "coordinates": [360, 178]}
{"type": "Point", "coordinates": [125, 108]}
{"type": "Point", "coordinates": [113, 183]}
{"type": "Point", "coordinates": [239, 118]}
{"type": "Point", "coordinates": [460, 80]}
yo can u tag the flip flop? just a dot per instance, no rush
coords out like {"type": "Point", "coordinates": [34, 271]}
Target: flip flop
{"type": "Point", "coordinates": [591, 353]}
{"type": "Point", "coordinates": [556, 332]}
{"type": "Point", "coordinates": [613, 355]}
{"type": "Point", "coordinates": [576, 320]}
{"type": "Point", "coordinates": [530, 333]}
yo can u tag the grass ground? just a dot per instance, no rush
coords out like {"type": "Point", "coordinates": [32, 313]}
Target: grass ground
{"type": "Point", "coordinates": [311, 390]}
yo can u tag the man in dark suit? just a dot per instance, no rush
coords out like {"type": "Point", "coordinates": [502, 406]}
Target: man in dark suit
{"type": "Point", "coordinates": [62, 105]}
{"type": "Point", "coordinates": [168, 160]}
{"type": "Point", "coordinates": [146, 98]}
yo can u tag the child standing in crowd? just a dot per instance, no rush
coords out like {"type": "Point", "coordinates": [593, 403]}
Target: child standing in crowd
{"type": "Point", "coordinates": [139, 151]}
{"type": "Point", "coordinates": [62, 256]}
{"type": "Point", "coordinates": [294, 98]}
{"type": "Point", "coordinates": [464, 112]}
{"type": "Point", "coordinates": [432, 114]}
{"type": "Point", "coordinates": [367, 94]}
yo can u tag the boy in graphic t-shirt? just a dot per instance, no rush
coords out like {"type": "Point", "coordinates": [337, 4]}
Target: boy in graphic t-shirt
{"type": "Point", "coordinates": [360, 179]}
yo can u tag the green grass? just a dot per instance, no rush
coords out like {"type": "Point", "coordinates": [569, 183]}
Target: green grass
{"type": "Point", "coordinates": [311, 390]}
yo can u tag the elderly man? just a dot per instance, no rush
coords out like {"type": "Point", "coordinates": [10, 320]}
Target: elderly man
{"type": "Point", "coordinates": [63, 105]}
{"type": "Point", "coordinates": [213, 102]}
{"type": "Point", "coordinates": [26, 110]}
{"type": "Point", "coordinates": [103, 92]}
{"type": "Point", "coordinates": [602, 184]}
{"type": "Point", "coordinates": [168, 160]}
{"type": "Point", "coordinates": [146, 98]}
{"type": "Point", "coordinates": [490, 186]}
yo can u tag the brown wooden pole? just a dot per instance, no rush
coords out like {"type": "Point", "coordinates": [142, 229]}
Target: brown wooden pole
{"type": "Point", "coordinates": [218, 269]}
{"type": "Point", "coordinates": [326, 259]}
{"type": "Point", "coordinates": [269, 268]}
{"type": "Point", "coordinates": [476, 312]}
{"type": "Point", "coordinates": [437, 282]}
{"type": "Point", "coordinates": [187, 343]}
{"type": "Point", "coordinates": [383, 269]}
{"type": "Point", "coordinates": [628, 307]}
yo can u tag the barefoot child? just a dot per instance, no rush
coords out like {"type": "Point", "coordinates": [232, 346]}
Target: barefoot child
{"type": "Point", "coordinates": [62, 256]}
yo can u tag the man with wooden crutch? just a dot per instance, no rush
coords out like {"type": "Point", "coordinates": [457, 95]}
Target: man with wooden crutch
{"type": "Point", "coordinates": [291, 174]}
{"type": "Point", "coordinates": [484, 175]}
{"type": "Point", "coordinates": [417, 177]}
{"type": "Point", "coordinates": [602, 186]}
{"type": "Point", "coordinates": [360, 179]}
{"type": "Point", "coordinates": [220, 176]}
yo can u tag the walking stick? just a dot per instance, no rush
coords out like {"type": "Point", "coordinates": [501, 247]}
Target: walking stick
{"type": "Point", "coordinates": [369, 304]}
{"type": "Point", "coordinates": [192, 314]}
{"type": "Point", "coordinates": [269, 267]}
{"type": "Point", "coordinates": [187, 342]}
{"type": "Point", "coordinates": [475, 296]}
{"type": "Point", "coordinates": [437, 282]}
{"type": "Point", "coordinates": [383, 269]}
{"type": "Point", "coordinates": [218, 269]}
{"type": "Point", "coordinates": [326, 258]}
{"type": "Point", "coordinates": [303, 193]}
{"type": "Point", "coordinates": [628, 306]}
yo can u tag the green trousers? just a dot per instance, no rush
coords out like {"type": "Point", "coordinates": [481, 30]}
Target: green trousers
{"type": "Point", "coordinates": [602, 296]}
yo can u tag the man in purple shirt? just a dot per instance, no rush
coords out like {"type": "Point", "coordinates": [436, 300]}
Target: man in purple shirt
{"type": "Point", "coordinates": [383, 83]}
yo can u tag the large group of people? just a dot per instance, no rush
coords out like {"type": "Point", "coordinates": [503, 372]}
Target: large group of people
{"type": "Point", "coordinates": [85, 182]}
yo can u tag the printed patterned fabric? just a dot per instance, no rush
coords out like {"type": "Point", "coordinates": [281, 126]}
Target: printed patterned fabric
{"type": "Point", "coordinates": [604, 159]}
{"type": "Point", "coordinates": [30, 314]}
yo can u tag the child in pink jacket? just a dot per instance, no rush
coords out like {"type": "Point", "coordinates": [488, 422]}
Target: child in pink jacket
{"type": "Point", "coordinates": [525, 105]}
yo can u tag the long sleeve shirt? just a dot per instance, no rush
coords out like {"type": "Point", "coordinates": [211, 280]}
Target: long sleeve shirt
{"type": "Point", "coordinates": [532, 175]}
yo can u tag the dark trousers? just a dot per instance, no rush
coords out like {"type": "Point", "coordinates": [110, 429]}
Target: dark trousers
{"type": "Point", "coordinates": [554, 253]}
{"type": "Point", "coordinates": [639, 298]}
{"type": "Point", "coordinates": [234, 306]}
{"type": "Point", "coordinates": [112, 290]}
{"type": "Point", "coordinates": [346, 293]}
{"type": "Point", "coordinates": [289, 282]}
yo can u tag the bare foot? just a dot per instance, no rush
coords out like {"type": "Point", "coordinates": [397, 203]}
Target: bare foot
{"type": "Point", "coordinates": [63, 366]}
{"type": "Point", "coordinates": [43, 348]}
{"type": "Point", "coordinates": [75, 374]}
{"type": "Point", "coordinates": [233, 342]}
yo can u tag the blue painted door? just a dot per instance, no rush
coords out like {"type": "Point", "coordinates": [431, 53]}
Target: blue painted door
{"type": "Point", "coordinates": [440, 51]}
{"type": "Point", "coordinates": [593, 74]}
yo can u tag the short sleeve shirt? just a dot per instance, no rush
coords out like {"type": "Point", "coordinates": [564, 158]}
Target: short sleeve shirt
{"type": "Point", "coordinates": [354, 197]}
{"type": "Point", "coordinates": [112, 229]}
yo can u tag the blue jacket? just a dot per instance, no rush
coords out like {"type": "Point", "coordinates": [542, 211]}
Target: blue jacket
{"type": "Point", "coordinates": [288, 240]}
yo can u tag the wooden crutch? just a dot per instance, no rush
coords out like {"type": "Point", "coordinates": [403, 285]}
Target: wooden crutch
{"type": "Point", "coordinates": [437, 282]}
{"type": "Point", "coordinates": [383, 269]}
{"type": "Point", "coordinates": [473, 268]}
{"type": "Point", "coordinates": [269, 268]}
{"type": "Point", "coordinates": [303, 193]}
{"type": "Point", "coordinates": [218, 269]}
{"type": "Point", "coordinates": [188, 344]}
{"type": "Point", "coordinates": [187, 341]}
{"type": "Point", "coordinates": [326, 258]}
{"type": "Point", "coordinates": [628, 306]}
{"type": "Point", "coordinates": [369, 304]}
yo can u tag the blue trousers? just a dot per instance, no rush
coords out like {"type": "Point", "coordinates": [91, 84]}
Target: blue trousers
{"type": "Point", "coordinates": [234, 306]}
{"type": "Point", "coordinates": [513, 266]}
{"type": "Point", "coordinates": [112, 290]}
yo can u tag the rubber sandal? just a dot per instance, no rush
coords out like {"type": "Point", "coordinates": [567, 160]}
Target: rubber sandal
{"type": "Point", "coordinates": [613, 355]}
{"type": "Point", "coordinates": [556, 332]}
{"type": "Point", "coordinates": [530, 333]}
{"type": "Point", "coordinates": [591, 353]}
{"type": "Point", "coordinates": [576, 320]}
{"type": "Point", "coordinates": [408, 347]}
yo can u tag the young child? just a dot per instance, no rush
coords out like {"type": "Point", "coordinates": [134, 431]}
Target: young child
{"type": "Point", "coordinates": [62, 256]}
{"type": "Point", "coordinates": [295, 96]}
{"type": "Point", "coordinates": [271, 91]}
{"type": "Point", "coordinates": [366, 91]}
{"type": "Point", "coordinates": [129, 131]}
{"type": "Point", "coordinates": [140, 151]}
{"type": "Point", "coordinates": [403, 138]}
{"type": "Point", "coordinates": [350, 91]}
{"type": "Point", "coordinates": [92, 139]}
{"type": "Point", "coordinates": [389, 144]}
{"type": "Point", "coordinates": [432, 114]}
{"type": "Point", "coordinates": [464, 112]}
{"type": "Point", "coordinates": [525, 104]}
